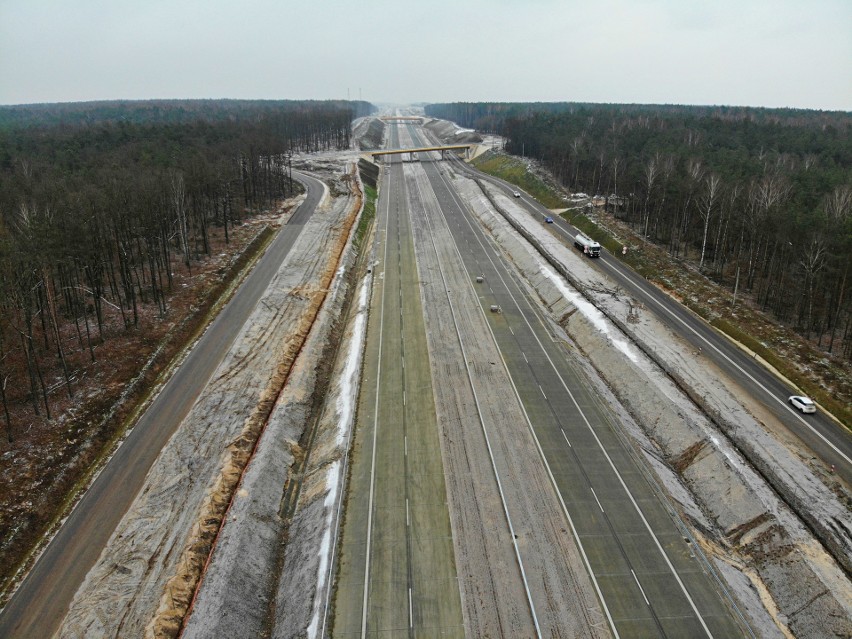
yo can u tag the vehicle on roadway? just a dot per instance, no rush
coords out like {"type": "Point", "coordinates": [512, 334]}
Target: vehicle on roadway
{"type": "Point", "coordinates": [587, 245]}
{"type": "Point", "coordinates": [516, 193]}
{"type": "Point", "coordinates": [548, 220]}
{"type": "Point", "coordinates": [804, 404]}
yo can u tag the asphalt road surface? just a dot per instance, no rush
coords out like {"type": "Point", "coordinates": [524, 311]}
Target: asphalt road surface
{"type": "Point", "coordinates": [40, 603]}
{"type": "Point", "coordinates": [828, 439]}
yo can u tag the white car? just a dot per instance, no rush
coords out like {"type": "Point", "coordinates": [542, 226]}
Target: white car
{"type": "Point", "coordinates": [804, 404]}
{"type": "Point", "coordinates": [516, 193]}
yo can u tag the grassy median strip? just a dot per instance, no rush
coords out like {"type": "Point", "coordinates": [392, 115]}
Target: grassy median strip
{"type": "Point", "coordinates": [367, 216]}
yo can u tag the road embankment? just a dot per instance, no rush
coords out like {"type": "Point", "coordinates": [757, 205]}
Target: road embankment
{"type": "Point", "coordinates": [146, 576]}
{"type": "Point", "coordinates": [240, 593]}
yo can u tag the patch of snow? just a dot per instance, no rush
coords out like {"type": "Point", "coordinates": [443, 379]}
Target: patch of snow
{"type": "Point", "coordinates": [332, 481]}
{"type": "Point", "coordinates": [588, 310]}
{"type": "Point", "coordinates": [349, 378]}
{"type": "Point", "coordinates": [726, 451]}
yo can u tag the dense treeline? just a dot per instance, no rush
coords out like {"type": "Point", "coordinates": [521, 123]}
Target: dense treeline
{"type": "Point", "coordinates": [100, 203]}
{"type": "Point", "coordinates": [760, 199]}
{"type": "Point", "coordinates": [169, 111]}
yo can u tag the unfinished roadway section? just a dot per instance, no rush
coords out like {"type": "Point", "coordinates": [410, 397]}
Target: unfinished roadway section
{"type": "Point", "coordinates": [272, 569]}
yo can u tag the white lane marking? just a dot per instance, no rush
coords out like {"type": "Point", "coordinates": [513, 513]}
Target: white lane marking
{"type": "Point", "coordinates": [596, 497]}
{"type": "Point", "coordinates": [567, 514]}
{"type": "Point", "coordinates": [525, 357]}
{"type": "Point", "coordinates": [482, 419]}
{"type": "Point", "coordinates": [542, 392]}
{"type": "Point", "coordinates": [407, 517]}
{"type": "Point", "coordinates": [410, 610]}
{"type": "Point", "coordinates": [375, 434]}
{"type": "Point", "coordinates": [566, 438]}
{"type": "Point", "coordinates": [641, 589]}
{"type": "Point", "coordinates": [769, 393]}
{"type": "Point", "coordinates": [618, 475]}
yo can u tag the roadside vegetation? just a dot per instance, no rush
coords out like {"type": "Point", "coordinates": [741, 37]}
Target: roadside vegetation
{"type": "Point", "coordinates": [825, 378]}
{"type": "Point", "coordinates": [122, 225]}
{"type": "Point", "coordinates": [367, 216]}
{"type": "Point", "coordinates": [507, 167]}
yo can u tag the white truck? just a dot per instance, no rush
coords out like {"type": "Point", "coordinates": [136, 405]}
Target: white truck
{"type": "Point", "coordinates": [587, 245]}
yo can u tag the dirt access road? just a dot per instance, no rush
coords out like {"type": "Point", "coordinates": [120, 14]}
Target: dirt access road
{"type": "Point", "coordinates": [40, 603]}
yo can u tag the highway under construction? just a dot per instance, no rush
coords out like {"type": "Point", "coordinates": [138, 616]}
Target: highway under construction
{"type": "Point", "coordinates": [449, 421]}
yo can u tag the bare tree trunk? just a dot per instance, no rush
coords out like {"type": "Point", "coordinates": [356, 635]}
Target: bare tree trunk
{"type": "Point", "coordinates": [179, 204]}
{"type": "Point", "coordinates": [839, 307]}
{"type": "Point", "coordinates": [9, 437]}
{"type": "Point", "coordinates": [706, 210]}
{"type": "Point", "coordinates": [812, 262]}
{"type": "Point", "coordinates": [3, 382]}
{"type": "Point", "coordinates": [51, 308]}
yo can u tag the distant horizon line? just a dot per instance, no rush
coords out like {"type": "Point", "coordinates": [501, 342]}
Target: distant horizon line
{"type": "Point", "coordinates": [421, 103]}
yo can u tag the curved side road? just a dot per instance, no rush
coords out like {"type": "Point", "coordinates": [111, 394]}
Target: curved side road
{"type": "Point", "coordinates": [40, 603]}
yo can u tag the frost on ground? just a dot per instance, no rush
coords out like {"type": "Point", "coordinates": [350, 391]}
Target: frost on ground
{"type": "Point", "coordinates": [148, 565]}
{"type": "Point", "coordinates": [302, 592]}
{"type": "Point", "coordinates": [712, 458]}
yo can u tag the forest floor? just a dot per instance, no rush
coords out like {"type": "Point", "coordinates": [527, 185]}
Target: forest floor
{"type": "Point", "coordinates": [51, 459]}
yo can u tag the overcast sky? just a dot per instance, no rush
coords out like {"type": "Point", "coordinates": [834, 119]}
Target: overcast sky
{"type": "Point", "coordinates": [775, 53]}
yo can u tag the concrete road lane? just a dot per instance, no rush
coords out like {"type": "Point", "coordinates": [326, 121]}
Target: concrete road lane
{"type": "Point", "coordinates": [40, 603]}
{"type": "Point", "coordinates": [397, 573]}
{"type": "Point", "coordinates": [652, 583]}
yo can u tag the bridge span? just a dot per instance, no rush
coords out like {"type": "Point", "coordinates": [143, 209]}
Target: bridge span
{"type": "Point", "coordinates": [425, 149]}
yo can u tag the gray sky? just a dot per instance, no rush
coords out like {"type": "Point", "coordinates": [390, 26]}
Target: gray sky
{"type": "Point", "coordinates": [775, 53]}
